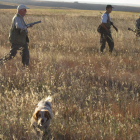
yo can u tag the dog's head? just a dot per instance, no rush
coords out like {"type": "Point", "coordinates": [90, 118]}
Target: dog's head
{"type": "Point", "coordinates": [42, 116]}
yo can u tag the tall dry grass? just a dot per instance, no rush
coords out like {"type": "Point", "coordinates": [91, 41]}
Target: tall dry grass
{"type": "Point", "coordinates": [98, 94]}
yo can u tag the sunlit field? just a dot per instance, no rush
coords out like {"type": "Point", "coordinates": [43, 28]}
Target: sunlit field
{"type": "Point", "coordinates": [97, 94]}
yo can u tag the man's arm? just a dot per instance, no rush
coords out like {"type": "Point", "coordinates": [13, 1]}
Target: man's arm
{"type": "Point", "coordinates": [103, 25]}
{"type": "Point", "coordinates": [19, 25]}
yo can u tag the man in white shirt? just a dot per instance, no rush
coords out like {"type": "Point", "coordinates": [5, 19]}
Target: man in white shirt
{"type": "Point", "coordinates": [106, 34]}
{"type": "Point", "coordinates": [18, 37]}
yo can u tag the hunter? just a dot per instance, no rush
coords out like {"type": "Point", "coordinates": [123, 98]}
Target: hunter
{"type": "Point", "coordinates": [138, 26]}
{"type": "Point", "coordinates": [18, 37]}
{"type": "Point", "coordinates": [106, 34]}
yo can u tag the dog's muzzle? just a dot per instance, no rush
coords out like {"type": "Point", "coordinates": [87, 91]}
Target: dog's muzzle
{"type": "Point", "coordinates": [42, 122]}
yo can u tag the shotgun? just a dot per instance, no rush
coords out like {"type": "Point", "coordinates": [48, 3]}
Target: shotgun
{"type": "Point", "coordinates": [30, 24]}
{"type": "Point", "coordinates": [131, 30]}
{"type": "Point", "coordinates": [137, 32]}
{"type": "Point", "coordinates": [114, 26]}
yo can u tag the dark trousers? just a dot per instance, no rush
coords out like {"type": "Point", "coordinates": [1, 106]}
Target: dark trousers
{"type": "Point", "coordinates": [106, 38]}
{"type": "Point", "coordinates": [24, 53]}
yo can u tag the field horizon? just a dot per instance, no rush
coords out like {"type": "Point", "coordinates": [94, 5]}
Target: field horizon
{"type": "Point", "coordinates": [10, 4]}
{"type": "Point", "coordinates": [98, 95]}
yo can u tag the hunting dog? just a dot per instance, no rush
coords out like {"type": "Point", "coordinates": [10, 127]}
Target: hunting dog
{"type": "Point", "coordinates": [42, 116]}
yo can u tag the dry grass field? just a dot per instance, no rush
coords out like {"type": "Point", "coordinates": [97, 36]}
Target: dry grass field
{"type": "Point", "coordinates": [98, 94]}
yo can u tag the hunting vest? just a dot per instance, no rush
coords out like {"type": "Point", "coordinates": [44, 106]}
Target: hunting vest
{"type": "Point", "coordinates": [16, 36]}
{"type": "Point", "coordinates": [108, 25]}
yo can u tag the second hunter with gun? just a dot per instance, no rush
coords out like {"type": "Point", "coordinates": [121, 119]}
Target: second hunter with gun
{"type": "Point", "coordinates": [106, 32]}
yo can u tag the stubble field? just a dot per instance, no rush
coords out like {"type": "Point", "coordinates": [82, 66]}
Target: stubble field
{"type": "Point", "coordinates": [97, 94]}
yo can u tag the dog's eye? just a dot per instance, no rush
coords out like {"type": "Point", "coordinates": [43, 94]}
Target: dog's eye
{"type": "Point", "coordinates": [39, 115]}
{"type": "Point", "coordinates": [46, 115]}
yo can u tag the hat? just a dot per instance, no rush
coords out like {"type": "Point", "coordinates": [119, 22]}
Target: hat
{"type": "Point", "coordinates": [109, 6]}
{"type": "Point", "coordinates": [22, 6]}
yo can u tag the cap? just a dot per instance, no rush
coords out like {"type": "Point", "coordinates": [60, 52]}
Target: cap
{"type": "Point", "coordinates": [22, 6]}
{"type": "Point", "coordinates": [109, 6]}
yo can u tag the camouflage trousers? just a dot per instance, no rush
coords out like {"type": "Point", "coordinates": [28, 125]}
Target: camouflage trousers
{"type": "Point", "coordinates": [14, 48]}
{"type": "Point", "coordinates": [106, 38]}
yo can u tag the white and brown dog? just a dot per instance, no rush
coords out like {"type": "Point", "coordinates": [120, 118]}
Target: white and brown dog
{"type": "Point", "coordinates": [42, 116]}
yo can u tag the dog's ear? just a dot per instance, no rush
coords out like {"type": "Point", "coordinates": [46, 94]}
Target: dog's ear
{"type": "Point", "coordinates": [36, 114]}
{"type": "Point", "coordinates": [47, 114]}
